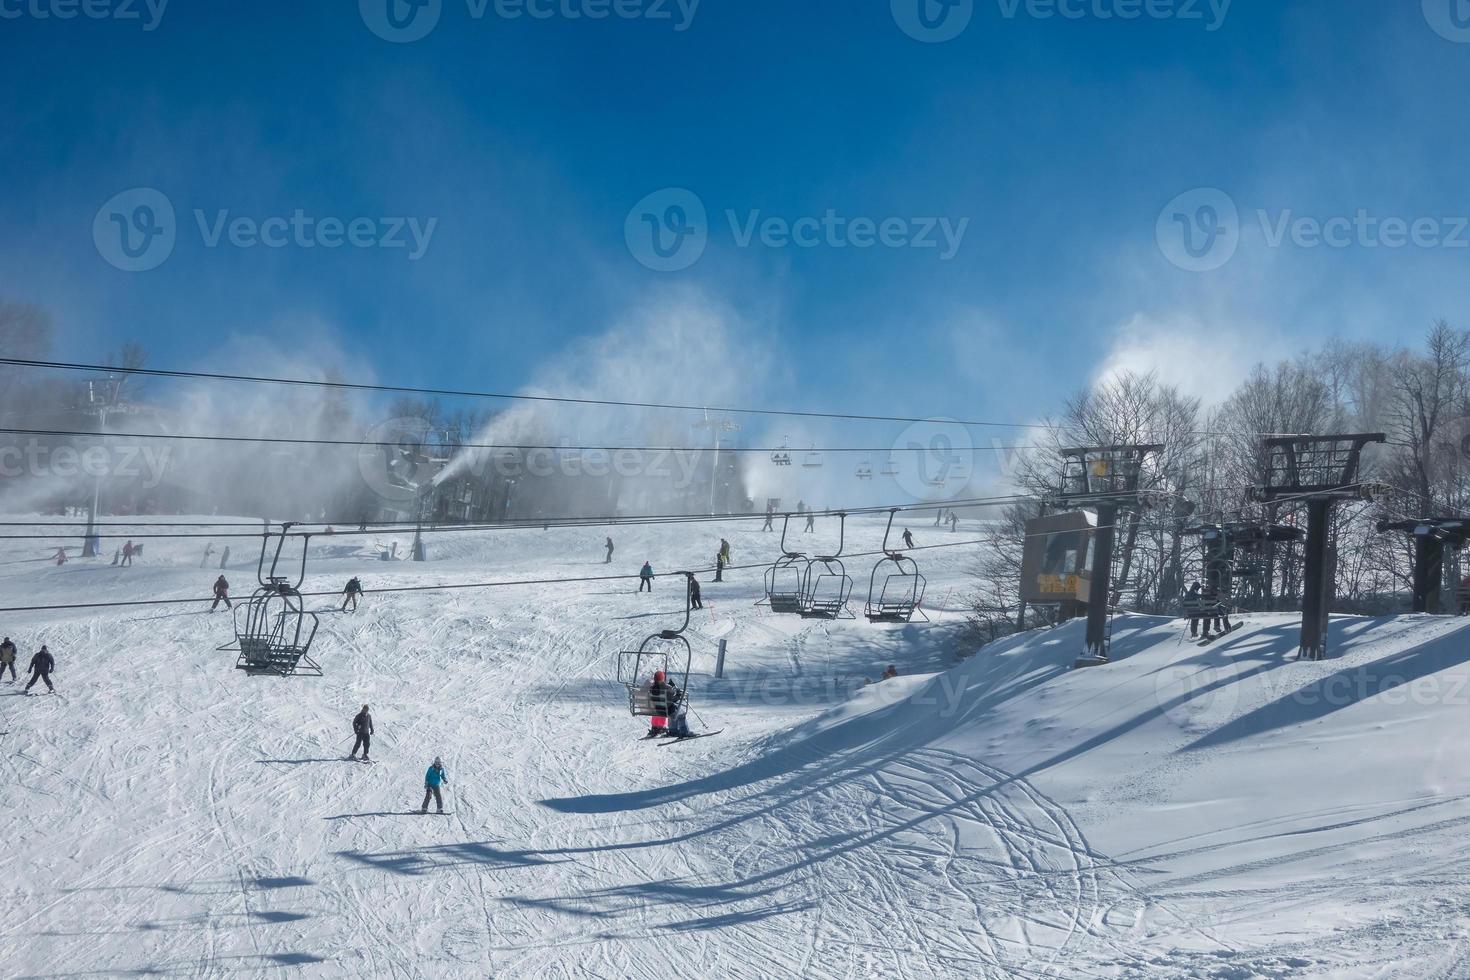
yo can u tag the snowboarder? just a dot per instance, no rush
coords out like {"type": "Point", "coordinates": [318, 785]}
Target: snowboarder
{"type": "Point", "coordinates": [221, 594]}
{"type": "Point", "coordinates": [42, 664]}
{"type": "Point", "coordinates": [608, 559]}
{"type": "Point", "coordinates": [908, 539]}
{"type": "Point", "coordinates": [433, 779]}
{"type": "Point", "coordinates": [645, 578]}
{"type": "Point", "coordinates": [127, 553]}
{"type": "Point", "coordinates": [695, 602]}
{"type": "Point", "coordinates": [662, 695]}
{"type": "Point", "coordinates": [350, 592]}
{"type": "Point", "coordinates": [7, 657]}
{"type": "Point", "coordinates": [362, 727]}
{"type": "Point", "coordinates": [1191, 604]}
{"type": "Point", "coordinates": [208, 551]}
{"type": "Point", "coordinates": [224, 558]}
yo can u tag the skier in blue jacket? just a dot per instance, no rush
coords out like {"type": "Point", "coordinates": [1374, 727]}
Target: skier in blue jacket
{"type": "Point", "coordinates": [433, 779]}
{"type": "Point", "coordinates": [645, 577]}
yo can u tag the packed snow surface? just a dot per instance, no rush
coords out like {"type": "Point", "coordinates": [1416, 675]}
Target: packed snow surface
{"type": "Point", "coordinates": [1218, 811]}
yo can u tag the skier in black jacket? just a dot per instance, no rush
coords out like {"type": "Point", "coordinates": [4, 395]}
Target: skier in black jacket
{"type": "Point", "coordinates": [362, 727]}
{"type": "Point", "coordinates": [7, 657]}
{"type": "Point", "coordinates": [42, 664]}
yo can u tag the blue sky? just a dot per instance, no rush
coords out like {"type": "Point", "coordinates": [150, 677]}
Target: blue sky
{"type": "Point", "coordinates": [1057, 140]}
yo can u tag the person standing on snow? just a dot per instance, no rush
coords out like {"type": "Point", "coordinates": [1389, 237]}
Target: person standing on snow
{"type": "Point", "coordinates": [433, 779]}
{"type": "Point", "coordinates": [61, 556]}
{"type": "Point", "coordinates": [695, 602]}
{"type": "Point", "coordinates": [362, 727]}
{"type": "Point", "coordinates": [1192, 604]}
{"type": "Point", "coordinates": [811, 521]}
{"type": "Point", "coordinates": [221, 594]}
{"type": "Point", "coordinates": [645, 578]}
{"type": "Point", "coordinates": [127, 553]}
{"type": "Point", "coordinates": [720, 567]}
{"type": "Point", "coordinates": [7, 657]}
{"type": "Point", "coordinates": [954, 521]}
{"type": "Point", "coordinates": [224, 558]}
{"type": "Point", "coordinates": [608, 559]}
{"type": "Point", "coordinates": [908, 539]}
{"type": "Point", "coordinates": [208, 550]}
{"type": "Point", "coordinates": [42, 664]}
{"type": "Point", "coordinates": [350, 592]}
{"type": "Point", "coordinates": [770, 516]}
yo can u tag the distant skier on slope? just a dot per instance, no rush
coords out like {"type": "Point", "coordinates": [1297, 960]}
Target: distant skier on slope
{"type": "Point", "coordinates": [811, 521]}
{"type": "Point", "coordinates": [908, 539]}
{"type": "Point", "coordinates": [770, 516]}
{"type": "Point", "coordinates": [42, 664]}
{"type": "Point", "coordinates": [350, 592]}
{"type": "Point", "coordinates": [433, 779]}
{"type": "Point", "coordinates": [695, 601]}
{"type": "Point", "coordinates": [221, 594]}
{"type": "Point", "coordinates": [61, 556]}
{"type": "Point", "coordinates": [608, 559]}
{"type": "Point", "coordinates": [7, 657]}
{"type": "Point", "coordinates": [645, 578]}
{"type": "Point", "coordinates": [127, 553]}
{"type": "Point", "coordinates": [208, 550]}
{"type": "Point", "coordinates": [725, 550]}
{"type": "Point", "coordinates": [720, 567]}
{"type": "Point", "coordinates": [362, 727]}
{"type": "Point", "coordinates": [954, 521]}
{"type": "Point", "coordinates": [224, 558]}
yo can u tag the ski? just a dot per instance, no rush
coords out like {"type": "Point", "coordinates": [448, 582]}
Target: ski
{"type": "Point", "coordinates": [675, 739]}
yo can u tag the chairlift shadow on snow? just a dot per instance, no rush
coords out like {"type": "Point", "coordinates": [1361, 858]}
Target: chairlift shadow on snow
{"type": "Point", "coordinates": [426, 860]}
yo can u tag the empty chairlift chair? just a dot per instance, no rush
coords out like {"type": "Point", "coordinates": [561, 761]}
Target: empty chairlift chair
{"type": "Point", "coordinates": [273, 629]}
{"type": "Point", "coordinates": [667, 651]}
{"type": "Point", "coordinates": [786, 578]}
{"type": "Point", "coordinates": [895, 588]}
{"type": "Point", "coordinates": [826, 586]}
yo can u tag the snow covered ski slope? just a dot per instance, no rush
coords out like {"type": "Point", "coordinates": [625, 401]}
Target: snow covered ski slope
{"type": "Point", "coordinates": [1183, 812]}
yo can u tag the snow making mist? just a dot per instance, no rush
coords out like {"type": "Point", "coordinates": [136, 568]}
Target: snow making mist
{"type": "Point", "coordinates": [679, 350]}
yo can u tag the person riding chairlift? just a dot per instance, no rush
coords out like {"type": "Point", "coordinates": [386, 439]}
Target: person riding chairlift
{"type": "Point", "coordinates": [663, 695]}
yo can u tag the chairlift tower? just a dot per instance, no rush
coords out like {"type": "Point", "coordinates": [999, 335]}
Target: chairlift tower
{"type": "Point", "coordinates": [1107, 479]}
{"type": "Point", "coordinates": [1430, 536]}
{"type": "Point", "coordinates": [716, 427]}
{"type": "Point", "coordinates": [1319, 471]}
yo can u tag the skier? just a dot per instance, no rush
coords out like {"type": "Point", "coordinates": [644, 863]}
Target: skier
{"type": "Point", "coordinates": [725, 550]}
{"type": "Point", "coordinates": [1215, 611]}
{"type": "Point", "coordinates": [362, 727]}
{"type": "Point", "coordinates": [208, 550]}
{"type": "Point", "coordinates": [811, 521]}
{"type": "Point", "coordinates": [42, 664]}
{"type": "Point", "coordinates": [61, 556]}
{"type": "Point", "coordinates": [679, 721]}
{"type": "Point", "coordinates": [608, 559]}
{"type": "Point", "coordinates": [224, 558]}
{"type": "Point", "coordinates": [954, 521]}
{"type": "Point", "coordinates": [350, 592]}
{"type": "Point", "coordinates": [720, 567]}
{"type": "Point", "coordinates": [221, 594]}
{"type": "Point", "coordinates": [695, 602]}
{"type": "Point", "coordinates": [7, 658]}
{"type": "Point", "coordinates": [1191, 605]}
{"type": "Point", "coordinates": [433, 779]}
{"type": "Point", "coordinates": [939, 517]}
{"type": "Point", "coordinates": [770, 516]}
{"type": "Point", "coordinates": [645, 578]}
{"type": "Point", "coordinates": [127, 553]}
{"type": "Point", "coordinates": [908, 539]}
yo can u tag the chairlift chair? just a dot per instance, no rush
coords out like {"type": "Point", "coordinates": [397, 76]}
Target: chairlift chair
{"type": "Point", "coordinates": [865, 469]}
{"type": "Point", "coordinates": [826, 586]}
{"type": "Point", "coordinates": [782, 456]}
{"type": "Point", "coordinates": [275, 633]}
{"type": "Point", "coordinates": [890, 468]}
{"type": "Point", "coordinates": [667, 651]}
{"type": "Point", "coordinates": [786, 578]}
{"type": "Point", "coordinates": [902, 591]}
{"type": "Point", "coordinates": [813, 459]}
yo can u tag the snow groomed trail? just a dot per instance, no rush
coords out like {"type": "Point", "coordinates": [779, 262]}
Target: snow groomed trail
{"type": "Point", "coordinates": [1182, 812]}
